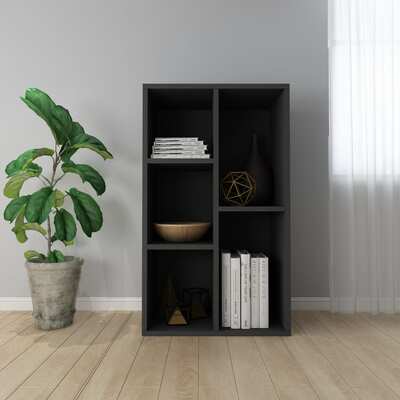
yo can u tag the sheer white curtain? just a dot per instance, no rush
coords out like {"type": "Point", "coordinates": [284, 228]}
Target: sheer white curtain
{"type": "Point", "coordinates": [364, 53]}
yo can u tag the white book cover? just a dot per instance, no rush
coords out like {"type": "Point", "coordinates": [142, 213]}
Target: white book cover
{"type": "Point", "coordinates": [201, 152]}
{"type": "Point", "coordinates": [255, 290]}
{"type": "Point", "coordinates": [179, 148]}
{"type": "Point", "coordinates": [226, 288]}
{"type": "Point", "coordinates": [177, 145]}
{"type": "Point", "coordinates": [264, 291]}
{"type": "Point", "coordinates": [245, 289]}
{"type": "Point", "coordinates": [235, 291]}
{"type": "Point", "coordinates": [180, 144]}
{"type": "Point", "coordinates": [194, 156]}
{"type": "Point", "coordinates": [176, 139]}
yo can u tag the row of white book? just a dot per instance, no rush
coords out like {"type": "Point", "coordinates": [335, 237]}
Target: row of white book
{"type": "Point", "coordinates": [245, 288]}
{"type": "Point", "coordinates": [179, 147]}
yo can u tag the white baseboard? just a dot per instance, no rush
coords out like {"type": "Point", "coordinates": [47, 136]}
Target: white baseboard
{"type": "Point", "coordinates": [83, 303]}
{"type": "Point", "coordinates": [135, 303]}
{"type": "Point", "coordinates": [109, 303]}
{"type": "Point", "coordinates": [311, 303]}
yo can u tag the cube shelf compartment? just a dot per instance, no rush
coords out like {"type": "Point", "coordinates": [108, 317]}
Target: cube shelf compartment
{"type": "Point", "coordinates": [224, 116]}
{"type": "Point", "coordinates": [179, 112]}
{"type": "Point", "coordinates": [177, 264]}
{"type": "Point", "coordinates": [179, 194]}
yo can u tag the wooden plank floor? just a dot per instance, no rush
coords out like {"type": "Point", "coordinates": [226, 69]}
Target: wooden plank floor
{"type": "Point", "coordinates": [104, 357]}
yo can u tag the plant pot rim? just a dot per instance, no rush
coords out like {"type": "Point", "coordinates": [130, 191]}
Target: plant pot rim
{"type": "Point", "coordinates": [68, 263]}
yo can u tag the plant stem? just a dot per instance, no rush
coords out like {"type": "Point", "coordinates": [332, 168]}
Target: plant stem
{"type": "Point", "coordinates": [48, 236]}
{"type": "Point", "coordinates": [44, 178]}
{"type": "Point", "coordinates": [59, 179]}
{"type": "Point", "coordinates": [52, 184]}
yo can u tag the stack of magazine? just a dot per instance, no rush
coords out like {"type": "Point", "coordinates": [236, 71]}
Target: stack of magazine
{"type": "Point", "coordinates": [245, 288]}
{"type": "Point", "coordinates": [179, 147]}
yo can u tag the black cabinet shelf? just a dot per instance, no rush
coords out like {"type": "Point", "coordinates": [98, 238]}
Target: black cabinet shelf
{"type": "Point", "coordinates": [181, 161]}
{"type": "Point", "coordinates": [224, 117]}
{"type": "Point", "coordinates": [204, 327]}
{"type": "Point", "coordinates": [180, 246]}
{"type": "Point", "coordinates": [252, 209]}
{"type": "Point", "coordinates": [201, 327]}
{"type": "Point", "coordinates": [274, 330]}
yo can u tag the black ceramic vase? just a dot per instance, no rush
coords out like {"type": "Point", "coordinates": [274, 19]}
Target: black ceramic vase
{"type": "Point", "coordinates": [261, 171]}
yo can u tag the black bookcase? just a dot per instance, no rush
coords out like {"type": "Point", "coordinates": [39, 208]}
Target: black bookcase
{"type": "Point", "coordinates": [224, 116]}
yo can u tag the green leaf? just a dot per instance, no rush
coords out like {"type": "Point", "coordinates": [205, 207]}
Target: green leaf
{"type": "Point", "coordinates": [24, 161]}
{"type": "Point", "coordinates": [77, 132]}
{"type": "Point", "coordinates": [14, 184]}
{"type": "Point", "coordinates": [33, 226]}
{"type": "Point", "coordinates": [87, 174]}
{"type": "Point", "coordinates": [87, 211]}
{"type": "Point", "coordinates": [56, 256]}
{"type": "Point", "coordinates": [40, 205]}
{"type": "Point", "coordinates": [59, 256]}
{"type": "Point", "coordinates": [19, 222]}
{"type": "Point", "coordinates": [32, 255]}
{"type": "Point", "coordinates": [65, 225]}
{"type": "Point", "coordinates": [61, 123]}
{"type": "Point", "coordinates": [14, 207]}
{"type": "Point", "coordinates": [65, 242]}
{"type": "Point", "coordinates": [21, 228]}
{"type": "Point", "coordinates": [57, 117]}
{"type": "Point", "coordinates": [58, 198]}
{"type": "Point", "coordinates": [94, 144]}
{"type": "Point", "coordinates": [32, 167]}
{"type": "Point", "coordinates": [79, 139]}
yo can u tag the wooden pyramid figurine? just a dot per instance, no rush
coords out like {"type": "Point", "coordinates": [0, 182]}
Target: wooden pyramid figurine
{"type": "Point", "coordinates": [174, 313]}
{"type": "Point", "coordinates": [177, 317]}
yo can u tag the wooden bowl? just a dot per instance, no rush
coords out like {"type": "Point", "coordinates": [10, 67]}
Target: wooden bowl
{"type": "Point", "coordinates": [182, 231]}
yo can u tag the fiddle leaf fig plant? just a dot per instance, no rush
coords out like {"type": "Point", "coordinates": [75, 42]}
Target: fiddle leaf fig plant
{"type": "Point", "coordinates": [28, 212]}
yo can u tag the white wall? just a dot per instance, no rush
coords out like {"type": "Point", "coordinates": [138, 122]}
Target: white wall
{"type": "Point", "coordinates": [92, 56]}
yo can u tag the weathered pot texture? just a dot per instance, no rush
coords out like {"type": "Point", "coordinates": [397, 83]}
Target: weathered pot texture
{"type": "Point", "coordinates": [54, 287]}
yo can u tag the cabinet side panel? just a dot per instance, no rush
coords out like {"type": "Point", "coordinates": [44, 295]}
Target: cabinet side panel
{"type": "Point", "coordinates": [216, 257]}
{"type": "Point", "coordinates": [281, 126]}
{"type": "Point", "coordinates": [144, 210]}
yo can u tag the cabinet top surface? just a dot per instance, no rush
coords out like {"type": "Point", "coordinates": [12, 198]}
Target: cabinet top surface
{"type": "Point", "coordinates": [216, 85]}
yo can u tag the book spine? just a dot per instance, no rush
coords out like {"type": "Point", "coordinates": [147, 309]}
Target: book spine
{"type": "Point", "coordinates": [176, 139]}
{"type": "Point", "coordinates": [264, 292]}
{"type": "Point", "coordinates": [245, 290]}
{"type": "Point", "coordinates": [226, 289]}
{"type": "Point", "coordinates": [179, 146]}
{"type": "Point", "coordinates": [180, 156]}
{"type": "Point", "coordinates": [200, 152]}
{"type": "Point", "coordinates": [175, 143]}
{"type": "Point", "coordinates": [178, 149]}
{"type": "Point", "coordinates": [235, 292]}
{"type": "Point", "coordinates": [255, 291]}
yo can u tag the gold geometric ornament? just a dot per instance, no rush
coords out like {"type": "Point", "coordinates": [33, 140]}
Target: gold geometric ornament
{"type": "Point", "coordinates": [176, 317]}
{"type": "Point", "coordinates": [175, 313]}
{"type": "Point", "coordinates": [238, 188]}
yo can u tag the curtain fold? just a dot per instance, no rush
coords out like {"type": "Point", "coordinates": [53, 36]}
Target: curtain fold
{"type": "Point", "coordinates": [364, 51]}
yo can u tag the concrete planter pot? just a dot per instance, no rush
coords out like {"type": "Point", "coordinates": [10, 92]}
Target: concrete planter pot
{"type": "Point", "coordinates": [54, 287]}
